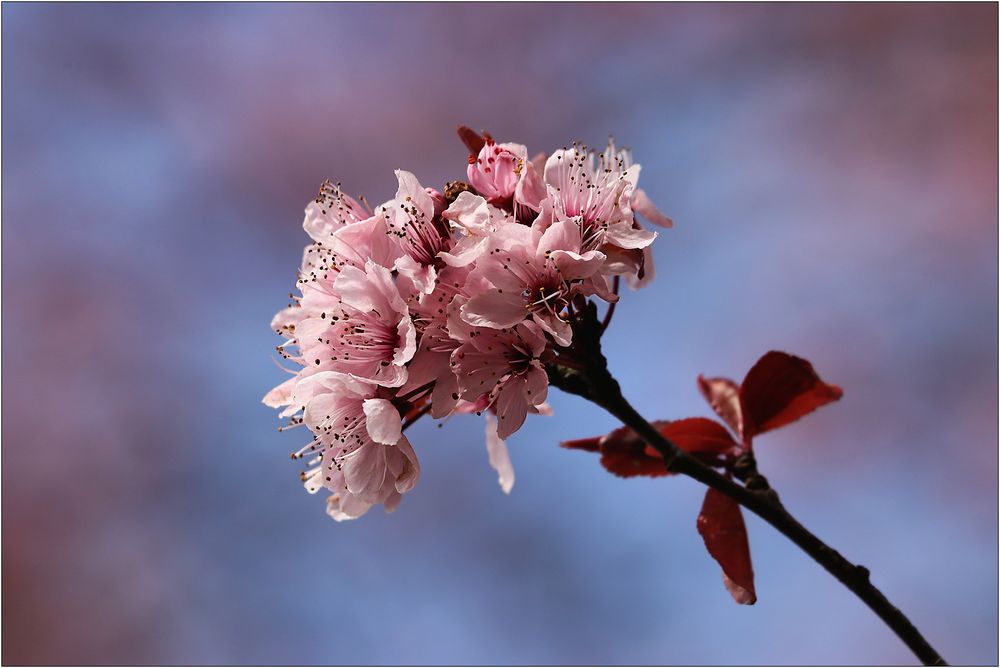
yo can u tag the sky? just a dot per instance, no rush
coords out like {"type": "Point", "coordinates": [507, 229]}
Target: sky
{"type": "Point", "coordinates": [832, 174]}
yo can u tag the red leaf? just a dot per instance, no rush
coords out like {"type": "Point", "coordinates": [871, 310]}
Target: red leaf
{"type": "Point", "coordinates": [591, 444]}
{"type": "Point", "coordinates": [471, 139]}
{"type": "Point", "coordinates": [626, 455]}
{"type": "Point", "coordinates": [781, 388]}
{"type": "Point", "coordinates": [721, 526]}
{"type": "Point", "coordinates": [723, 395]}
{"type": "Point", "coordinates": [623, 453]}
{"type": "Point", "coordinates": [697, 436]}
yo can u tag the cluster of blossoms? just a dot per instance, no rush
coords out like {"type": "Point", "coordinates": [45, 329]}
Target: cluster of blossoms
{"type": "Point", "coordinates": [447, 303]}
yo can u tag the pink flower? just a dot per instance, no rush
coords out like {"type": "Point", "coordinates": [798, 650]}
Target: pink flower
{"type": "Point", "coordinates": [411, 218]}
{"type": "Point", "coordinates": [363, 329]}
{"type": "Point", "coordinates": [430, 370]}
{"type": "Point", "coordinates": [446, 305]}
{"type": "Point", "coordinates": [477, 219]}
{"type": "Point", "coordinates": [430, 309]}
{"type": "Point", "coordinates": [344, 234]}
{"type": "Point", "coordinates": [595, 198]}
{"type": "Point", "coordinates": [330, 211]}
{"type": "Point", "coordinates": [352, 245]}
{"type": "Point", "coordinates": [358, 451]}
{"type": "Point", "coordinates": [503, 175]}
{"type": "Point", "coordinates": [441, 332]}
{"type": "Point", "coordinates": [603, 195]}
{"type": "Point", "coordinates": [505, 366]}
{"type": "Point", "coordinates": [534, 275]}
{"type": "Point", "coordinates": [601, 199]}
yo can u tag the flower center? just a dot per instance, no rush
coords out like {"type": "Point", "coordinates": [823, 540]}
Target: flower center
{"type": "Point", "coordinates": [546, 292]}
{"type": "Point", "coordinates": [360, 337]}
{"type": "Point", "coordinates": [422, 238]}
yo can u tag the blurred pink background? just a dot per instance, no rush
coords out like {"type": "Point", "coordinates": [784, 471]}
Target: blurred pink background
{"type": "Point", "coordinates": [832, 171]}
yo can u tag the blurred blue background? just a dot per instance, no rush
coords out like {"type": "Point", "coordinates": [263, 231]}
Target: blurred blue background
{"type": "Point", "coordinates": [832, 171]}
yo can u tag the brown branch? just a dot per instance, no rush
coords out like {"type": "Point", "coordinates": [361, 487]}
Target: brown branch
{"type": "Point", "coordinates": [596, 384]}
{"type": "Point", "coordinates": [766, 504]}
{"type": "Point", "coordinates": [419, 414]}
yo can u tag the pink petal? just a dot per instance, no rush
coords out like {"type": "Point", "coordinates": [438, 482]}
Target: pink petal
{"type": "Point", "coordinates": [645, 207]}
{"type": "Point", "coordinates": [286, 318]}
{"type": "Point", "coordinates": [477, 372]}
{"type": "Point", "coordinates": [557, 167]}
{"type": "Point", "coordinates": [365, 240]}
{"type": "Point", "coordinates": [471, 212]}
{"type": "Point", "coordinates": [600, 285]}
{"type": "Point", "coordinates": [560, 235]}
{"type": "Point", "coordinates": [318, 408]}
{"type": "Point", "coordinates": [408, 341]}
{"type": "Point", "coordinates": [458, 329]}
{"type": "Point", "coordinates": [496, 449]}
{"type": "Point", "coordinates": [381, 280]}
{"type": "Point", "coordinates": [644, 273]}
{"type": "Point", "coordinates": [532, 335]}
{"type": "Point", "coordinates": [559, 329]}
{"type": "Point", "coordinates": [392, 501]}
{"type": "Point", "coordinates": [530, 189]}
{"type": "Point", "coordinates": [512, 406]}
{"type": "Point", "coordinates": [357, 291]}
{"type": "Point", "coordinates": [538, 161]}
{"type": "Point", "coordinates": [494, 309]}
{"type": "Point", "coordinates": [365, 471]}
{"type": "Point", "coordinates": [329, 212]}
{"type": "Point", "coordinates": [465, 252]}
{"type": "Point", "coordinates": [425, 367]}
{"type": "Point", "coordinates": [384, 424]}
{"type": "Point", "coordinates": [624, 235]}
{"type": "Point", "coordinates": [386, 376]}
{"type": "Point", "coordinates": [536, 384]}
{"type": "Point", "coordinates": [499, 257]}
{"type": "Point", "coordinates": [410, 191]}
{"type": "Point", "coordinates": [281, 395]}
{"type": "Point", "coordinates": [573, 266]}
{"type": "Point", "coordinates": [445, 394]}
{"type": "Point", "coordinates": [344, 506]}
{"type": "Point", "coordinates": [423, 277]}
{"type": "Point", "coordinates": [404, 465]}
{"type": "Point", "coordinates": [344, 387]}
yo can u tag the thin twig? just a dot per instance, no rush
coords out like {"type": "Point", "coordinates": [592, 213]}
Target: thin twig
{"type": "Point", "coordinates": [611, 306]}
{"type": "Point", "coordinates": [766, 504]}
{"type": "Point", "coordinates": [594, 382]}
{"type": "Point", "coordinates": [422, 412]}
{"type": "Point", "coordinates": [409, 395]}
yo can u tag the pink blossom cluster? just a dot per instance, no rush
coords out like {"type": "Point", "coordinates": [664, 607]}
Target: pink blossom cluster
{"type": "Point", "coordinates": [448, 303]}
